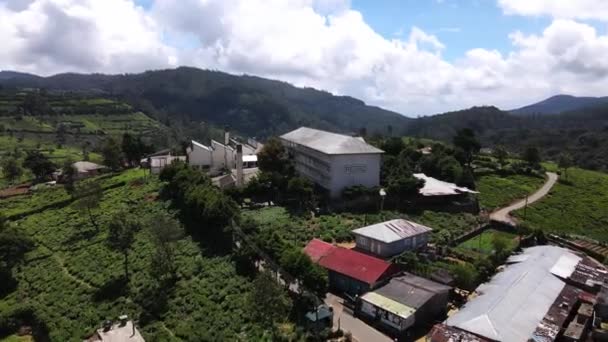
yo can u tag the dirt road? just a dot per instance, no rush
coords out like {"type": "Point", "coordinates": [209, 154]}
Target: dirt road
{"type": "Point", "coordinates": [503, 214]}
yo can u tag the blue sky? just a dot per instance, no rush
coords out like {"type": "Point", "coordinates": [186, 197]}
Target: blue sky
{"type": "Point", "coordinates": [460, 25]}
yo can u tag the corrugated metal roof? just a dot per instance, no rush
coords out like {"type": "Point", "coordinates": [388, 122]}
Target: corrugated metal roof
{"type": "Point", "coordinates": [388, 304]}
{"type": "Point", "coordinates": [356, 265]}
{"type": "Point", "coordinates": [86, 166]}
{"type": "Point", "coordinates": [197, 144]}
{"type": "Point", "coordinates": [412, 290]}
{"type": "Point", "coordinates": [436, 187]}
{"type": "Point", "coordinates": [393, 230]}
{"type": "Point", "coordinates": [513, 303]}
{"type": "Point", "coordinates": [316, 249]}
{"type": "Point", "coordinates": [329, 143]}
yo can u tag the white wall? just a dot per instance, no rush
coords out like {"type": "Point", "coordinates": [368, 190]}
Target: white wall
{"type": "Point", "coordinates": [220, 154]}
{"type": "Point", "coordinates": [354, 169]}
{"type": "Point", "coordinates": [199, 156]}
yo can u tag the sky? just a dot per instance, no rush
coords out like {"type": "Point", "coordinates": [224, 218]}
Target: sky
{"type": "Point", "coordinates": [415, 57]}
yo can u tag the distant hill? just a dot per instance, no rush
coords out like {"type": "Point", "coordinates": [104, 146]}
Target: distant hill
{"type": "Point", "coordinates": [251, 105]}
{"type": "Point", "coordinates": [559, 104]}
{"type": "Point", "coordinates": [7, 75]}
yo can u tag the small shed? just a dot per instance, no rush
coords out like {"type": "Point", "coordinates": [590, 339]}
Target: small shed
{"type": "Point", "coordinates": [392, 237]}
{"type": "Point", "coordinates": [350, 271]}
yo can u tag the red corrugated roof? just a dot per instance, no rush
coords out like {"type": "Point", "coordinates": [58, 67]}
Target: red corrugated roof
{"type": "Point", "coordinates": [316, 249]}
{"type": "Point", "coordinates": [356, 265]}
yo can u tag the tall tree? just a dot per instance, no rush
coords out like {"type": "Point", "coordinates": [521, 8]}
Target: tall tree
{"type": "Point", "coordinates": [501, 154]}
{"type": "Point", "coordinates": [111, 154]}
{"type": "Point", "coordinates": [565, 162]}
{"type": "Point", "coordinates": [466, 140]}
{"type": "Point", "coordinates": [302, 189]}
{"type": "Point", "coordinates": [268, 302]}
{"type": "Point", "coordinates": [164, 231]}
{"type": "Point", "coordinates": [532, 156]}
{"type": "Point", "coordinates": [134, 149]}
{"type": "Point", "coordinates": [88, 195]}
{"type": "Point", "coordinates": [39, 164]}
{"type": "Point", "coordinates": [121, 235]}
{"type": "Point", "coordinates": [68, 175]}
{"type": "Point", "coordinates": [273, 157]}
{"type": "Point", "coordinates": [11, 169]}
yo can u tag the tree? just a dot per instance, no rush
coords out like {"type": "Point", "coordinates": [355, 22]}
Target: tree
{"type": "Point", "coordinates": [466, 141]}
{"type": "Point", "coordinates": [111, 154]}
{"type": "Point", "coordinates": [11, 168]}
{"type": "Point", "coordinates": [302, 189]}
{"type": "Point", "coordinates": [13, 246]}
{"type": "Point", "coordinates": [134, 149]}
{"type": "Point", "coordinates": [268, 303]}
{"type": "Point", "coordinates": [88, 195]}
{"type": "Point", "coordinates": [565, 162]}
{"type": "Point", "coordinates": [532, 156]}
{"type": "Point", "coordinates": [393, 146]}
{"type": "Point", "coordinates": [465, 276]}
{"type": "Point", "coordinates": [39, 164]}
{"type": "Point", "coordinates": [164, 231]}
{"type": "Point", "coordinates": [308, 274]}
{"type": "Point", "coordinates": [274, 161]}
{"type": "Point", "coordinates": [68, 175]}
{"type": "Point", "coordinates": [121, 235]}
{"type": "Point", "coordinates": [404, 185]}
{"type": "Point", "coordinates": [500, 244]}
{"type": "Point", "coordinates": [501, 155]}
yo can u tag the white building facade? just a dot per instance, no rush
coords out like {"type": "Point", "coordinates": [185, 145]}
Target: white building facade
{"type": "Point", "coordinates": [333, 161]}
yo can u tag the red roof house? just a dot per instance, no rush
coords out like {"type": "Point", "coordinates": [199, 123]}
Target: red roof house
{"type": "Point", "coordinates": [349, 270]}
{"type": "Point", "coordinates": [316, 249]}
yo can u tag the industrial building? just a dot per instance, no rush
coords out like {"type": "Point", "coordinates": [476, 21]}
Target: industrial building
{"type": "Point", "coordinates": [405, 301]}
{"type": "Point", "coordinates": [392, 237]}
{"type": "Point", "coordinates": [349, 271]}
{"type": "Point", "coordinates": [544, 294]}
{"type": "Point", "coordinates": [333, 161]}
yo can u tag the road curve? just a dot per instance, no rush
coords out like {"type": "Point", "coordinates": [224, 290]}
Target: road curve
{"type": "Point", "coordinates": [503, 214]}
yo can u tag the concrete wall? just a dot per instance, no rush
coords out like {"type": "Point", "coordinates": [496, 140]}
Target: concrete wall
{"type": "Point", "coordinates": [222, 154]}
{"type": "Point", "coordinates": [354, 169]}
{"type": "Point", "coordinates": [199, 157]}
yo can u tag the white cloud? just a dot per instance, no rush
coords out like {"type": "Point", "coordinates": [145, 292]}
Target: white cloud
{"type": "Point", "coordinates": [562, 9]}
{"type": "Point", "coordinates": [319, 43]}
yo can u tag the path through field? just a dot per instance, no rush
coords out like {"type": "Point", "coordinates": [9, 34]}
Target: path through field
{"type": "Point", "coordinates": [503, 214]}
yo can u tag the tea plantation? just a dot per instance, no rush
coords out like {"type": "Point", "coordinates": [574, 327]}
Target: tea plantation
{"type": "Point", "coordinates": [497, 191]}
{"type": "Point", "coordinates": [71, 280]}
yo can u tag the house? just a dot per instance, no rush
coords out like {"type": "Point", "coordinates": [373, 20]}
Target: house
{"type": "Point", "coordinates": [123, 331]}
{"type": "Point", "coordinates": [333, 161]}
{"type": "Point", "coordinates": [392, 237]}
{"type": "Point", "coordinates": [349, 271]}
{"type": "Point", "coordinates": [536, 297]}
{"type": "Point", "coordinates": [223, 156]}
{"type": "Point", "coordinates": [86, 169]}
{"type": "Point", "coordinates": [403, 302]}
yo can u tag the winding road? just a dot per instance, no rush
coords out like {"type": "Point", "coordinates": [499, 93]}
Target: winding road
{"type": "Point", "coordinates": [503, 214]}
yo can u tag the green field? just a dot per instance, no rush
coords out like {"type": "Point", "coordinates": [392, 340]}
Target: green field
{"type": "Point", "coordinates": [579, 208]}
{"type": "Point", "coordinates": [483, 242]}
{"type": "Point", "coordinates": [68, 279]}
{"type": "Point", "coordinates": [337, 227]}
{"type": "Point", "coordinates": [496, 191]}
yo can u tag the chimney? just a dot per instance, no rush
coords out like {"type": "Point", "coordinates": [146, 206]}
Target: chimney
{"type": "Point", "coordinates": [239, 166]}
{"type": "Point", "coordinates": [226, 135]}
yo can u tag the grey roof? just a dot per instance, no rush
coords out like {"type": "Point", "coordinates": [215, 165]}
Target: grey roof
{"type": "Point", "coordinates": [393, 230]}
{"type": "Point", "coordinates": [329, 143]}
{"type": "Point", "coordinates": [86, 166]}
{"type": "Point", "coordinates": [411, 290]}
{"type": "Point", "coordinates": [511, 305]}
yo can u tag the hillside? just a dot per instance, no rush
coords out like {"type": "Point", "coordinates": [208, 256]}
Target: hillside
{"type": "Point", "coordinates": [559, 104]}
{"type": "Point", "coordinates": [251, 105]}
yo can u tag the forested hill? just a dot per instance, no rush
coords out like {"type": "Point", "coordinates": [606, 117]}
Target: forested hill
{"type": "Point", "coordinates": [251, 105]}
{"type": "Point", "coordinates": [582, 133]}
{"type": "Point", "coordinates": [559, 104]}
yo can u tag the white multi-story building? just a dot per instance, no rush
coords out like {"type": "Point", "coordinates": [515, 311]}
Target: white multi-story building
{"type": "Point", "coordinates": [333, 161]}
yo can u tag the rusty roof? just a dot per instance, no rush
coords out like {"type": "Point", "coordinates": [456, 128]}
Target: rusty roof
{"type": "Point", "coordinates": [445, 333]}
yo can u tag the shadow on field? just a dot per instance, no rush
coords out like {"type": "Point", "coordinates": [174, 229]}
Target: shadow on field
{"type": "Point", "coordinates": [111, 290]}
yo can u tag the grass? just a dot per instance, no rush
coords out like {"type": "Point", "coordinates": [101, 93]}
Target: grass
{"type": "Point", "coordinates": [16, 338]}
{"type": "Point", "coordinates": [67, 278]}
{"type": "Point", "coordinates": [496, 191]}
{"type": "Point", "coordinates": [577, 206]}
{"type": "Point", "coordinates": [338, 227]}
{"type": "Point", "coordinates": [483, 242]}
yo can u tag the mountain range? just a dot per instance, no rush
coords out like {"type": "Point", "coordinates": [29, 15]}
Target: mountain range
{"type": "Point", "coordinates": [259, 107]}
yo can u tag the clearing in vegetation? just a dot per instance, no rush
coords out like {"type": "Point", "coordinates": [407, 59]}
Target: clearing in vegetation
{"type": "Point", "coordinates": [574, 206]}
{"type": "Point", "coordinates": [484, 242]}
